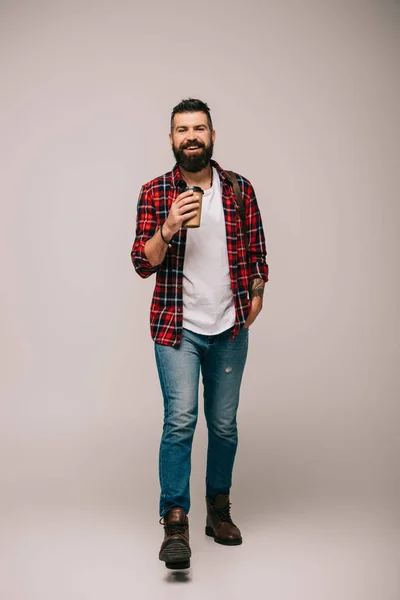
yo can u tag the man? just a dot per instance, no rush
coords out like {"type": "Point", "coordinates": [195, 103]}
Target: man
{"type": "Point", "coordinates": [207, 294]}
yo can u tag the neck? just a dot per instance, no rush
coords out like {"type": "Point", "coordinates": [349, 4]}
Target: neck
{"type": "Point", "coordinates": [202, 178]}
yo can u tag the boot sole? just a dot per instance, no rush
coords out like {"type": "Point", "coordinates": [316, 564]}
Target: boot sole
{"type": "Point", "coordinates": [210, 533]}
{"type": "Point", "coordinates": [176, 555]}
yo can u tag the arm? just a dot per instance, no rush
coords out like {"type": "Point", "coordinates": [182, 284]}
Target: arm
{"type": "Point", "coordinates": [256, 292]}
{"type": "Point", "coordinates": [149, 248]}
{"type": "Point", "coordinates": [258, 268]}
{"type": "Point", "coordinates": [156, 248]}
{"type": "Point", "coordinates": [182, 208]}
{"type": "Point", "coordinates": [146, 227]}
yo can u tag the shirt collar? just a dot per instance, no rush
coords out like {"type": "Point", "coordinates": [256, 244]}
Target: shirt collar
{"type": "Point", "coordinates": [179, 183]}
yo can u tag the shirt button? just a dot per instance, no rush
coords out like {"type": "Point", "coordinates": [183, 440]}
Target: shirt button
{"type": "Point", "coordinates": [179, 310]}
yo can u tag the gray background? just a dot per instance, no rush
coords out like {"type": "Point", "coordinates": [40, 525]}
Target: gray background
{"type": "Point", "coordinates": [304, 98]}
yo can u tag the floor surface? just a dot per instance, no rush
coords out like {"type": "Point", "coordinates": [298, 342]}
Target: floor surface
{"type": "Point", "coordinates": [318, 553]}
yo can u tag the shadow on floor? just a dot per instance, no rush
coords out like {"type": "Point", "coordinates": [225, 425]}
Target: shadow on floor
{"type": "Point", "coordinates": [181, 576]}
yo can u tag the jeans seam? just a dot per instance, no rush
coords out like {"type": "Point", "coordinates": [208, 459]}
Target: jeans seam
{"type": "Point", "coordinates": [166, 419]}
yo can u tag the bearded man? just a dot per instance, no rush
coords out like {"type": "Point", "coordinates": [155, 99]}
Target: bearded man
{"type": "Point", "coordinates": [208, 292]}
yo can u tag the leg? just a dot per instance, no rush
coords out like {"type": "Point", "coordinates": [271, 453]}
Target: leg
{"type": "Point", "coordinates": [222, 371]}
{"type": "Point", "coordinates": [178, 370]}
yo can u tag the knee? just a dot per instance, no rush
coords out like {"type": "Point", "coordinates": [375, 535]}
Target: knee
{"type": "Point", "coordinates": [180, 424]}
{"type": "Point", "coordinates": [223, 429]}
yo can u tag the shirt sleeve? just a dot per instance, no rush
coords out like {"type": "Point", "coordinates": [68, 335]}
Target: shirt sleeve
{"type": "Point", "coordinates": [258, 267]}
{"type": "Point", "coordinates": [146, 227]}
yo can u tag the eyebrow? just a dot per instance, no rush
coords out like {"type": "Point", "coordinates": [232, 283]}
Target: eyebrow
{"type": "Point", "coordinates": [186, 127]}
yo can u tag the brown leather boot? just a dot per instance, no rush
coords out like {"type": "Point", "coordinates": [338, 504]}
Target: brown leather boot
{"type": "Point", "coordinates": [219, 523]}
{"type": "Point", "coordinates": [175, 549]}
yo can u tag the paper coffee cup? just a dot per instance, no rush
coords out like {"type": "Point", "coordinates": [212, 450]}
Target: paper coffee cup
{"type": "Point", "coordinates": [197, 197]}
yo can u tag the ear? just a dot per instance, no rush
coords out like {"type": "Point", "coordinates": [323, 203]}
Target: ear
{"type": "Point", "coordinates": [170, 139]}
{"type": "Point", "coordinates": [213, 136]}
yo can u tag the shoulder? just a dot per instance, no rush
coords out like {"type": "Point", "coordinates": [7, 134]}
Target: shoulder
{"type": "Point", "coordinates": [241, 178]}
{"type": "Point", "coordinates": [158, 185]}
{"type": "Point", "coordinates": [244, 183]}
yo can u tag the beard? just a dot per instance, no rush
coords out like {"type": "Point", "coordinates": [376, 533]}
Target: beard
{"type": "Point", "coordinates": [193, 163]}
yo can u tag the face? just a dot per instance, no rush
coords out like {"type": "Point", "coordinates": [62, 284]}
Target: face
{"type": "Point", "coordinates": [192, 141]}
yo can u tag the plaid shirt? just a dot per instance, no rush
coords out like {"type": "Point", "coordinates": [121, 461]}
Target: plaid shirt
{"type": "Point", "coordinates": [154, 202]}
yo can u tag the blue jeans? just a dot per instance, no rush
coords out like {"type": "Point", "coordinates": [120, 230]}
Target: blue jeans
{"type": "Point", "coordinates": [221, 363]}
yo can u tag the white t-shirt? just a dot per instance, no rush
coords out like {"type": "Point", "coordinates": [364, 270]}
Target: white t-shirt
{"type": "Point", "coordinates": [208, 306]}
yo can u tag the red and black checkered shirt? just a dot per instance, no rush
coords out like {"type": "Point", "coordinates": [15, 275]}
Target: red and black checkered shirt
{"type": "Point", "coordinates": [154, 202]}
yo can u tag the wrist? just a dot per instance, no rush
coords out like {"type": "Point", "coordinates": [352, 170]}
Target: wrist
{"type": "Point", "coordinates": [168, 234]}
{"type": "Point", "coordinates": [165, 237]}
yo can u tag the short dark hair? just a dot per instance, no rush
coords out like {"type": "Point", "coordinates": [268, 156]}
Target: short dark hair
{"type": "Point", "coordinates": [192, 105]}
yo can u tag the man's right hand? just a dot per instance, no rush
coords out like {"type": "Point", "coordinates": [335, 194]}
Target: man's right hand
{"type": "Point", "coordinates": [182, 208]}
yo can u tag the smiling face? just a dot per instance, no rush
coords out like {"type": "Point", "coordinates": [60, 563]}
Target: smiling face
{"type": "Point", "coordinates": [192, 140]}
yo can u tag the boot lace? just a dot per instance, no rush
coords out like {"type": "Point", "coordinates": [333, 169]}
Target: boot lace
{"type": "Point", "coordinates": [224, 514]}
{"type": "Point", "coordinates": [173, 528]}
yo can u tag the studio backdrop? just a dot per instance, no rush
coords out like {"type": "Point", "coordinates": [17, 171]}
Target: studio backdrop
{"type": "Point", "coordinates": [304, 98]}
